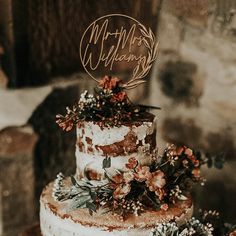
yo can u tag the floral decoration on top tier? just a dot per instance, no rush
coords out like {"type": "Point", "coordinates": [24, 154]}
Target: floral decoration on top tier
{"type": "Point", "coordinates": [109, 105]}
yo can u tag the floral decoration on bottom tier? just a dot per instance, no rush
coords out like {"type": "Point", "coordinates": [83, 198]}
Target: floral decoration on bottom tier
{"type": "Point", "coordinates": [167, 180]}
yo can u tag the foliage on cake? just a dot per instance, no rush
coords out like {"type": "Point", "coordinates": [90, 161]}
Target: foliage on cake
{"type": "Point", "coordinates": [169, 179]}
{"type": "Point", "coordinates": [108, 105]}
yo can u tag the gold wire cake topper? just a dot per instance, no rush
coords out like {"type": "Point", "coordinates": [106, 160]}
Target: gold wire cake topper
{"type": "Point", "coordinates": [106, 48]}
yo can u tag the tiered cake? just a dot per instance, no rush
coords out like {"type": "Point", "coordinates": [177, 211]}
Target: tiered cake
{"type": "Point", "coordinates": [121, 186]}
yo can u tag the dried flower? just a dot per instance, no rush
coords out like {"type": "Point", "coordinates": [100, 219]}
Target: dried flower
{"type": "Point", "coordinates": [66, 123]}
{"type": "Point", "coordinates": [174, 150]}
{"type": "Point", "coordinates": [232, 233]}
{"type": "Point", "coordinates": [194, 160]}
{"type": "Point", "coordinates": [118, 178]}
{"type": "Point", "coordinates": [160, 192]}
{"type": "Point", "coordinates": [196, 172]}
{"type": "Point", "coordinates": [156, 180]}
{"type": "Point", "coordinates": [164, 207]}
{"type": "Point", "coordinates": [109, 82]}
{"type": "Point", "coordinates": [142, 173]}
{"type": "Point", "coordinates": [119, 97]}
{"type": "Point", "coordinates": [188, 152]}
{"type": "Point", "coordinates": [132, 163]}
{"type": "Point", "coordinates": [121, 191]}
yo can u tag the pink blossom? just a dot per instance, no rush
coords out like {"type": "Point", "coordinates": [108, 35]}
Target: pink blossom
{"type": "Point", "coordinates": [142, 173]}
{"type": "Point", "coordinates": [121, 191]}
{"type": "Point", "coordinates": [132, 163]}
{"type": "Point", "coordinates": [156, 180]}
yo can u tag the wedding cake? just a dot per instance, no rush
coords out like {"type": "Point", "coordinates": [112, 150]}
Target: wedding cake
{"type": "Point", "coordinates": [122, 186]}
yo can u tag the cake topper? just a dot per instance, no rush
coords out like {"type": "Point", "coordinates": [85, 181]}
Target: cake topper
{"type": "Point", "coordinates": [105, 48]}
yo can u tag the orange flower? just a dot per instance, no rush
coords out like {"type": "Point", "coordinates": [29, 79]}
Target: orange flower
{"type": "Point", "coordinates": [121, 191]}
{"type": "Point", "coordinates": [142, 173]}
{"type": "Point", "coordinates": [118, 178]}
{"type": "Point", "coordinates": [119, 97]}
{"type": "Point", "coordinates": [160, 192]}
{"type": "Point", "coordinates": [156, 181]}
{"type": "Point", "coordinates": [194, 160]}
{"type": "Point", "coordinates": [232, 233]}
{"type": "Point", "coordinates": [132, 163]}
{"type": "Point", "coordinates": [164, 207]}
{"type": "Point", "coordinates": [196, 172]}
{"type": "Point", "coordinates": [188, 152]}
{"type": "Point", "coordinates": [109, 82]}
{"type": "Point", "coordinates": [114, 82]}
{"type": "Point", "coordinates": [179, 150]}
{"type": "Point", "coordinates": [66, 124]}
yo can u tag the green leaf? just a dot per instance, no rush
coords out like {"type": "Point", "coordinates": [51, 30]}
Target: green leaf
{"type": "Point", "coordinates": [93, 195]}
{"type": "Point", "coordinates": [91, 206]}
{"type": "Point", "coordinates": [79, 202]}
{"type": "Point", "coordinates": [73, 180]}
{"type": "Point", "coordinates": [106, 163]}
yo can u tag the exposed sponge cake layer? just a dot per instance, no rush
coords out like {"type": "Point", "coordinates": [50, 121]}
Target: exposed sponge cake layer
{"type": "Point", "coordinates": [132, 139]}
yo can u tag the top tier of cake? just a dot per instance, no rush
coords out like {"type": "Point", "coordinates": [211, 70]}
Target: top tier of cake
{"type": "Point", "coordinates": [136, 138]}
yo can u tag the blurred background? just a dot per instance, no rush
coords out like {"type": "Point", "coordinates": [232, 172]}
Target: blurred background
{"type": "Point", "coordinates": [193, 80]}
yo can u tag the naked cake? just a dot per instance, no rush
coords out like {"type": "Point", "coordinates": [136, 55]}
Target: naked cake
{"type": "Point", "coordinates": [122, 186]}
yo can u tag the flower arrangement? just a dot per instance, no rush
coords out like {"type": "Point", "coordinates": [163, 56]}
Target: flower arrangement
{"type": "Point", "coordinates": [108, 105]}
{"type": "Point", "coordinates": [208, 223]}
{"type": "Point", "coordinates": [167, 180]}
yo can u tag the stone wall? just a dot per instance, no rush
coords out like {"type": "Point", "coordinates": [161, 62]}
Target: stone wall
{"type": "Point", "coordinates": [194, 81]}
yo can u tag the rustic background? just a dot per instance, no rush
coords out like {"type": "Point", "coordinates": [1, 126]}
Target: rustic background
{"type": "Point", "coordinates": [193, 80]}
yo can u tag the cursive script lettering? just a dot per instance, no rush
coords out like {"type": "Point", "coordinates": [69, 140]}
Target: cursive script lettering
{"type": "Point", "coordinates": [123, 40]}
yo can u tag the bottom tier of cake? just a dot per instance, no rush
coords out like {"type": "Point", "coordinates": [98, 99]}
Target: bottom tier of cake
{"type": "Point", "coordinates": [55, 220]}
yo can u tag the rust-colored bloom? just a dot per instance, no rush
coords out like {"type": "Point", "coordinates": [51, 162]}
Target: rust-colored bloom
{"type": "Point", "coordinates": [194, 160]}
{"type": "Point", "coordinates": [179, 150]}
{"type": "Point", "coordinates": [160, 192]}
{"type": "Point", "coordinates": [121, 191]}
{"type": "Point", "coordinates": [232, 233]}
{"type": "Point", "coordinates": [164, 207]}
{"type": "Point", "coordinates": [192, 157]}
{"type": "Point", "coordinates": [109, 82]}
{"type": "Point", "coordinates": [119, 97]}
{"type": "Point", "coordinates": [66, 124]}
{"type": "Point", "coordinates": [118, 178]}
{"type": "Point", "coordinates": [174, 150]}
{"type": "Point", "coordinates": [156, 180]}
{"type": "Point", "coordinates": [132, 163]}
{"type": "Point", "coordinates": [196, 173]}
{"type": "Point", "coordinates": [142, 173]}
{"type": "Point", "coordinates": [188, 152]}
